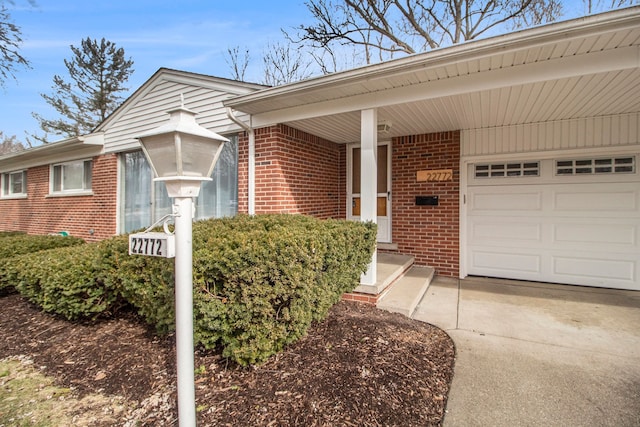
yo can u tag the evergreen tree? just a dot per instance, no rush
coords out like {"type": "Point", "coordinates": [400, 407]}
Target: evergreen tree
{"type": "Point", "coordinates": [98, 71]}
{"type": "Point", "coordinates": [10, 41]}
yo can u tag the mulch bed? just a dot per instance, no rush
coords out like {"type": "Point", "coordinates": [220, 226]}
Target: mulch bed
{"type": "Point", "coordinates": [360, 367]}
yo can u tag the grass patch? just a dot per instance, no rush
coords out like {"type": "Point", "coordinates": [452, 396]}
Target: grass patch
{"type": "Point", "coordinates": [29, 398]}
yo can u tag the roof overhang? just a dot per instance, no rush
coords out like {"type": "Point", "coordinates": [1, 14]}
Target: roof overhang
{"type": "Point", "coordinates": [55, 152]}
{"type": "Point", "coordinates": [460, 87]}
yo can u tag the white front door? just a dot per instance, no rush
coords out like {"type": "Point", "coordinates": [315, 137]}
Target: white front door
{"type": "Point", "coordinates": [384, 188]}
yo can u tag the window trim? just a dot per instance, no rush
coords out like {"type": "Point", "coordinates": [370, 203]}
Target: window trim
{"type": "Point", "coordinates": [11, 195]}
{"type": "Point", "coordinates": [86, 189]}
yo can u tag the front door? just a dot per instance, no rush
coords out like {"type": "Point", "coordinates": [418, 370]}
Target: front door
{"type": "Point", "coordinates": [384, 188]}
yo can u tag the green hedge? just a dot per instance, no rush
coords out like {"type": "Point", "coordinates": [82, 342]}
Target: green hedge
{"type": "Point", "coordinates": [259, 281]}
{"type": "Point", "coordinates": [66, 281]}
{"type": "Point", "coordinates": [13, 244]}
{"type": "Point", "coordinates": [147, 283]}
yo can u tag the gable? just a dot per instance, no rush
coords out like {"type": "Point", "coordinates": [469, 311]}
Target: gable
{"type": "Point", "coordinates": [147, 107]}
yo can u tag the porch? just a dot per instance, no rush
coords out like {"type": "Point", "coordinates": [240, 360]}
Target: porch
{"type": "Point", "coordinates": [399, 287]}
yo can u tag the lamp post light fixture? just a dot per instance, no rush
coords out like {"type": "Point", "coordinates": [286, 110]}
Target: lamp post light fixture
{"type": "Point", "coordinates": [182, 154]}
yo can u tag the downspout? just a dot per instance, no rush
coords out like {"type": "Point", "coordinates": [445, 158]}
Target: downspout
{"type": "Point", "coordinates": [252, 160]}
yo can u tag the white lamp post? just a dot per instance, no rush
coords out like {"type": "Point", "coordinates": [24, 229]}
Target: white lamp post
{"type": "Point", "coordinates": [182, 154]}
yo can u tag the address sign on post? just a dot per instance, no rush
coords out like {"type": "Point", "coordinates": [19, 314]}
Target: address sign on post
{"type": "Point", "coordinates": [152, 244]}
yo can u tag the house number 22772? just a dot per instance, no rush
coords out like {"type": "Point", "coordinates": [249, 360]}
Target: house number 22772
{"type": "Point", "coordinates": [152, 244]}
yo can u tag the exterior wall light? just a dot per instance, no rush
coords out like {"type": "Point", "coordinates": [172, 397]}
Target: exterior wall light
{"type": "Point", "coordinates": [182, 154]}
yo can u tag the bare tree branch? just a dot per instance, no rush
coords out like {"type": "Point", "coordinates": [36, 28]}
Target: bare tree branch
{"type": "Point", "coordinates": [409, 26]}
{"type": "Point", "coordinates": [238, 62]}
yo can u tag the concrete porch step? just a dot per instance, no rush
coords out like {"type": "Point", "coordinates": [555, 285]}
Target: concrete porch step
{"type": "Point", "coordinates": [389, 267]}
{"type": "Point", "coordinates": [405, 294]}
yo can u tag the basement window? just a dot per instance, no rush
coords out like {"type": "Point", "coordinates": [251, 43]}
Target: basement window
{"type": "Point", "coordinates": [507, 170]}
{"type": "Point", "coordinates": [611, 165]}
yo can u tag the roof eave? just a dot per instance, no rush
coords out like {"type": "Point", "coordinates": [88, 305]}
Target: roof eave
{"type": "Point", "coordinates": [475, 49]}
{"type": "Point", "coordinates": [67, 149]}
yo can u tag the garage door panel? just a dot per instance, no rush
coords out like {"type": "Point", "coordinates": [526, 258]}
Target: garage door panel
{"type": "Point", "coordinates": [591, 200]}
{"type": "Point", "coordinates": [595, 270]}
{"type": "Point", "coordinates": [613, 236]}
{"type": "Point", "coordinates": [506, 261]}
{"type": "Point", "coordinates": [490, 230]}
{"type": "Point", "coordinates": [515, 200]}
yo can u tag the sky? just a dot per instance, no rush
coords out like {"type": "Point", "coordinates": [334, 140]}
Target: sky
{"type": "Point", "coordinates": [189, 35]}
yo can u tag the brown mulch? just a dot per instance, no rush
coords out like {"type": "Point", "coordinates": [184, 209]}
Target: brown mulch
{"type": "Point", "coordinates": [360, 367]}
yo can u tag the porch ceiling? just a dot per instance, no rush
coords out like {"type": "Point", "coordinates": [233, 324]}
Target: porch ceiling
{"type": "Point", "coordinates": [581, 68]}
{"type": "Point", "coordinates": [585, 96]}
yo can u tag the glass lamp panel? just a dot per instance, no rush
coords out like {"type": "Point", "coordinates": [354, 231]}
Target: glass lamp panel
{"type": "Point", "coordinates": [198, 155]}
{"type": "Point", "coordinates": [162, 154]}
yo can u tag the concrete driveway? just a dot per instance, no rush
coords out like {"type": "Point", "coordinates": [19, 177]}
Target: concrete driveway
{"type": "Point", "coordinates": [533, 354]}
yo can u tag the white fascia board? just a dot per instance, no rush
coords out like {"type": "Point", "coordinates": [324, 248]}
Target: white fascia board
{"type": "Point", "coordinates": [553, 69]}
{"type": "Point", "coordinates": [70, 149]}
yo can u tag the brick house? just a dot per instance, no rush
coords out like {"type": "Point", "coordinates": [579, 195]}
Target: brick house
{"type": "Point", "coordinates": [514, 156]}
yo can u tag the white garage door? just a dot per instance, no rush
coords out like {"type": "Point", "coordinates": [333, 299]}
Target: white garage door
{"type": "Point", "coordinates": [572, 221]}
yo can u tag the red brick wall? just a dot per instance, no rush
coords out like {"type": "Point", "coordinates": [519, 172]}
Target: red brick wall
{"type": "Point", "coordinates": [39, 214]}
{"type": "Point", "coordinates": [300, 173]}
{"type": "Point", "coordinates": [430, 233]}
{"type": "Point", "coordinates": [295, 173]}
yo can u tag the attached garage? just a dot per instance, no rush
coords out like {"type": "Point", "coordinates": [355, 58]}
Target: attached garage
{"type": "Point", "coordinates": [572, 219]}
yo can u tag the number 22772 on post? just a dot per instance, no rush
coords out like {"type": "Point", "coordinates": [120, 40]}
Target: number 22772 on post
{"type": "Point", "coordinates": [152, 244]}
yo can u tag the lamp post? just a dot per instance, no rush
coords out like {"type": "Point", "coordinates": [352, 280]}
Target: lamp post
{"type": "Point", "coordinates": [182, 154]}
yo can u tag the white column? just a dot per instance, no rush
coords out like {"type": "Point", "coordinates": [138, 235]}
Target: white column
{"type": "Point", "coordinates": [184, 310]}
{"type": "Point", "coordinates": [252, 172]}
{"type": "Point", "coordinates": [369, 180]}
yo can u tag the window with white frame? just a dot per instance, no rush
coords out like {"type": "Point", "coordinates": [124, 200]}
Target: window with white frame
{"type": "Point", "coordinates": [14, 184]}
{"type": "Point", "coordinates": [71, 177]}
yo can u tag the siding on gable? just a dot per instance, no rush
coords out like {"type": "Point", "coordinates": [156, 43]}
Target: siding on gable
{"type": "Point", "coordinates": [151, 111]}
{"type": "Point", "coordinates": [584, 133]}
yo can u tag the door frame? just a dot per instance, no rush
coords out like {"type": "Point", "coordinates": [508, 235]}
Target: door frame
{"type": "Point", "coordinates": [350, 195]}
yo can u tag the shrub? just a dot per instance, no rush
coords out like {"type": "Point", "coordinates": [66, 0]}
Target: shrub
{"type": "Point", "coordinates": [261, 281]}
{"type": "Point", "coordinates": [13, 244]}
{"type": "Point", "coordinates": [18, 244]}
{"type": "Point", "coordinates": [65, 281]}
{"type": "Point", "coordinates": [147, 283]}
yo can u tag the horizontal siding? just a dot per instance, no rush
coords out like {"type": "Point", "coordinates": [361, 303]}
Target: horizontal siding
{"type": "Point", "coordinates": [151, 109]}
{"type": "Point", "coordinates": [594, 132]}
